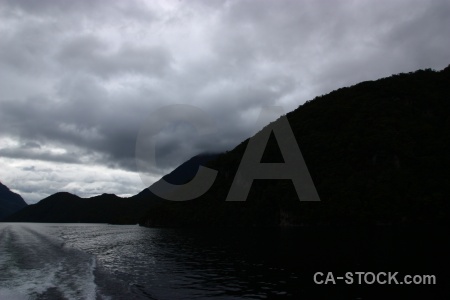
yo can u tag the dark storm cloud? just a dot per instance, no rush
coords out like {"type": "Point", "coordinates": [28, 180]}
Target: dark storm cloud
{"type": "Point", "coordinates": [131, 10]}
{"type": "Point", "coordinates": [94, 56]}
{"type": "Point", "coordinates": [79, 78]}
{"type": "Point", "coordinates": [24, 153]}
{"type": "Point", "coordinates": [31, 145]}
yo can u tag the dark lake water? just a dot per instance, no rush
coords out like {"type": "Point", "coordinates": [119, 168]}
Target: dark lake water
{"type": "Point", "coordinates": [98, 261]}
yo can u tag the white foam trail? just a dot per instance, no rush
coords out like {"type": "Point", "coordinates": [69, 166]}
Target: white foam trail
{"type": "Point", "coordinates": [33, 263]}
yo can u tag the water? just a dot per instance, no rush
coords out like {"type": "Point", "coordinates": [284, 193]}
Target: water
{"type": "Point", "coordinates": [96, 261]}
{"type": "Point", "coordinates": [99, 261]}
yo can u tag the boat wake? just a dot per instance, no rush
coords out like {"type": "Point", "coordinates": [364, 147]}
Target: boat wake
{"type": "Point", "coordinates": [37, 265]}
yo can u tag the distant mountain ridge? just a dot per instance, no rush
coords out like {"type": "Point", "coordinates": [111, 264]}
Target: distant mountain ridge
{"type": "Point", "coordinates": [65, 207]}
{"type": "Point", "coordinates": [10, 202]}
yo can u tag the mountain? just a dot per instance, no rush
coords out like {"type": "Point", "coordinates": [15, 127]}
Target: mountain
{"type": "Point", "coordinates": [64, 207]}
{"type": "Point", "coordinates": [186, 171]}
{"type": "Point", "coordinates": [10, 202]}
{"type": "Point", "coordinates": [378, 153]}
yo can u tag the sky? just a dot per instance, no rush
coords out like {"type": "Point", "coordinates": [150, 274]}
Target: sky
{"type": "Point", "coordinates": [79, 79]}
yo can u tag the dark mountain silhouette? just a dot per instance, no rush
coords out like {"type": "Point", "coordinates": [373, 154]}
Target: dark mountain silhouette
{"type": "Point", "coordinates": [10, 202]}
{"type": "Point", "coordinates": [378, 153]}
{"type": "Point", "coordinates": [64, 207]}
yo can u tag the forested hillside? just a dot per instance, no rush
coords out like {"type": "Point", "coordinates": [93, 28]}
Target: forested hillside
{"type": "Point", "coordinates": [378, 153]}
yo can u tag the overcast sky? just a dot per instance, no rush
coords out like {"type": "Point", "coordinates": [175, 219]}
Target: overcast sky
{"type": "Point", "coordinates": [79, 78]}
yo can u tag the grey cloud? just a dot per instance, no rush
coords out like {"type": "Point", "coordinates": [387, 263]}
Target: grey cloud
{"type": "Point", "coordinates": [31, 145]}
{"type": "Point", "coordinates": [94, 56]}
{"type": "Point", "coordinates": [25, 46]}
{"type": "Point", "coordinates": [82, 9]}
{"type": "Point", "coordinates": [32, 168]}
{"type": "Point", "coordinates": [35, 169]}
{"type": "Point", "coordinates": [23, 153]}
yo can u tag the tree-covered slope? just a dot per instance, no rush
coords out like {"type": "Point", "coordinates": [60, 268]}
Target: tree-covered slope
{"type": "Point", "coordinates": [378, 152]}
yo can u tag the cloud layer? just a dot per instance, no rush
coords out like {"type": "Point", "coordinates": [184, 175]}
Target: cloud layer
{"type": "Point", "coordinates": [79, 78]}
